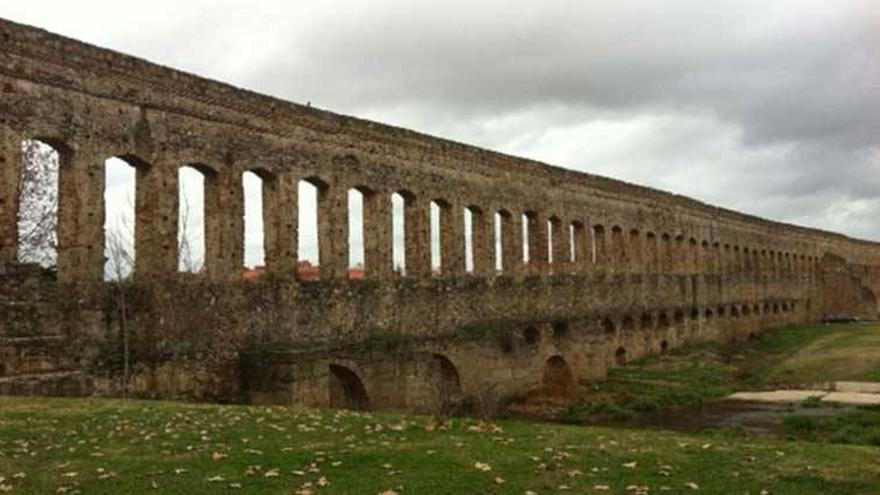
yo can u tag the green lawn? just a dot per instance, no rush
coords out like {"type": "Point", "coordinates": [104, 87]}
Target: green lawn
{"type": "Point", "coordinates": [789, 357]}
{"type": "Point", "coordinates": [676, 385]}
{"type": "Point", "coordinates": [108, 446]}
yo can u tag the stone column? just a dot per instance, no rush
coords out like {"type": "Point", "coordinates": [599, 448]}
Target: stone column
{"type": "Point", "coordinates": [451, 239]}
{"type": "Point", "coordinates": [333, 231]}
{"type": "Point", "coordinates": [708, 258]}
{"type": "Point", "coordinates": [680, 255]}
{"type": "Point", "coordinates": [619, 257]}
{"type": "Point", "coordinates": [417, 227]}
{"type": "Point", "coordinates": [81, 217]}
{"type": "Point", "coordinates": [538, 248]}
{"type": "Point", "coordinates": [224, 225]}
{"type": "Point", "coordinates": [156, 219]}
{"type": "Point", "coordinates": [694, 257]}
{"type": "Point", "coordinates": [511, 245]}
{"type": "Point", "coordinates": [757, 267]}
{"type": "Point", "coordinates": [635, 252]}
{"type": "Point", "coordinates": [280, 222]}
{"type": "Point", "coordinates": [213, 195]}
{"type": "Point", "coordinates": [652, 259]}
{"type": "Point", "coordinates": [600, 247]}
{"type": "Point", "coordinates": [561, 246]}
{"type": "Point", "coordinates": [482, 242]}
{"type": "Point", "coordinates": [10, 177]}
{"type": "Point", "coordinates": [378, 244]}
{"type": "Point", "coordinates": [581, 248]}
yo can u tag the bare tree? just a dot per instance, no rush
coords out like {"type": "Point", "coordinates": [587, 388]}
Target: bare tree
{"type": "Point", "coordinates": [190, 254]}
{"type": "Point", "coordinates": [38, 204]}
{"type": "Point", "coordinates": [118, 269]}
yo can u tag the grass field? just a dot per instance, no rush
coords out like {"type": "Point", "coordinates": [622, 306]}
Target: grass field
{"type": "Point", "coordinates": [108, 446]}
{"type": "Point", "coordinates": [789, 357]}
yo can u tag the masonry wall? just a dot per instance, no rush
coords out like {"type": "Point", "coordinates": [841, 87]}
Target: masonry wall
{"type": "Point", "coordinates": [650, 270]}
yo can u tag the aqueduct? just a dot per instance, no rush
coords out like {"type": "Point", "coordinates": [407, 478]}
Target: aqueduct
{"type": "Point", "coordinates": [541, 276]}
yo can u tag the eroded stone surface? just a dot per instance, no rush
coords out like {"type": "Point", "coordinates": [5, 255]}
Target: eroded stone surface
{"type": "Point", "coordinates": [652, 270]}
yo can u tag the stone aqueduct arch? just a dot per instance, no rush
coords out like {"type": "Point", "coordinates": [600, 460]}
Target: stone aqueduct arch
{"type": "Point", "coordinates": [617, 266]}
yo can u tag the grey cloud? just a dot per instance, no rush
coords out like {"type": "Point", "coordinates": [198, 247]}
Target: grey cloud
{"type": "Point", "coordinates": [768, 107]}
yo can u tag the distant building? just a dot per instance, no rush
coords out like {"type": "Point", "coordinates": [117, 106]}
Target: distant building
{"type": "Point", "coordinates": [307, 271]}
{"type": "Point", "coordinates": [251, 274]}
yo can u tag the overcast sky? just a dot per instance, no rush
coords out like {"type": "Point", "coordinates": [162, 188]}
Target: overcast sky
{"type": "Point", "coordinates": [771, 108]}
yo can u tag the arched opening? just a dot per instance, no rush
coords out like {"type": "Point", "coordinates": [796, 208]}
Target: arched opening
{"type": "Point", "coordinates": [558, 379]}
{"type": "Point", "coordinates": [191, 234]}
{"type": "Point", "coordinates": [746, 310]}
{"type": "Point", "coordinates": [620, 357]}
{"type": "Point", "coordinates": [346, 389]}
{"type": "Point", "coordinates": [663, 320]}
{"type": "Point", "coordinates": [530, 254]}
{"type": "Point", "coordinates": [532, 335]}
{"type": "Point", "coordinates": [448, 384]}
{"type": "Point", "coordinates": [503, 245]}
{"type": "Point", "coordinates": [708, 315]}
{"type": "Point", "coordinates": [37, 213]}
{"type": "Point", "coordinates": [647, 321]}
{"type": "Point", "coordinates": [398, 231]}
{"type": "Point", "coordinates": [559, 329]}
{"type": "Point", "coordinates": [120, 192]}
{"type": "Point", "coordinates": [734, 312]}
{"type": "Point", "coordinates": [756, 309]}
{"type": "Point", "coordinates": [555, 243]}
{"type": "Point", "coordinates": [627, 323]}
{"type": "Point", "coordinates": [608, 327]}
{"type": "Point", "coordinates": [309, 193]}
{"type": "Point", "coordinates": [721, 312]}
{"type": "Point", "coordinates": [775, 308]}
{"type": "Point", "coordinates": [469, 214]}
{"type": "Point", "coordinates": [254, 240]}
{"type": "Point", "coordinates": [356, 234]}
{"type": "Point", "coordinates": [678, 315]}
{"type": "Point", "coordinates": [439, 214]}
{"type": "Point", "coordinates": [664, 347]}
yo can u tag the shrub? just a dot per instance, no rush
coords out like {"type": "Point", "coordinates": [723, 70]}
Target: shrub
{"type": "Point", "coordinates": [797, 423]}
